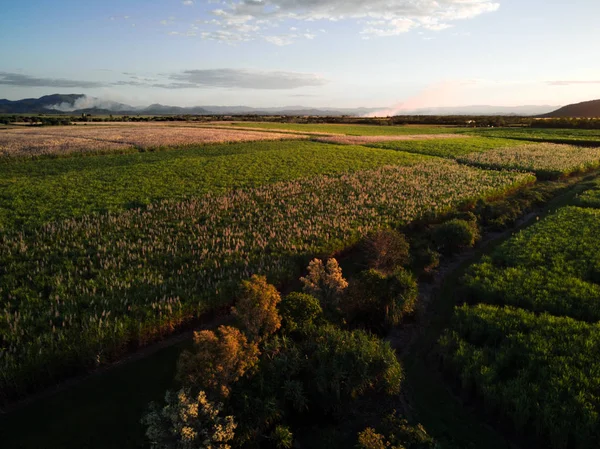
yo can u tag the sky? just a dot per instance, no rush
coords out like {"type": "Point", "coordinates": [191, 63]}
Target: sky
{"type": "Point", "coordinates": [393, 54]}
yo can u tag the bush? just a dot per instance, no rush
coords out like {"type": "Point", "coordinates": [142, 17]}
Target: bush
{"type": "Point", "coordinates": [377, 300]}
{"type": "Point", "coordinates": [186, 422]}
{"type": "Point", "coordinates": [385, 250]}
{"type": "Point", "coordinates": [256, 309]}
{"type": "Point", "coordinates": [299, 310]}
{"type": "Point", "coordinates": [455, 234]}
{"type": "Point", "coordinates": [218, 360]}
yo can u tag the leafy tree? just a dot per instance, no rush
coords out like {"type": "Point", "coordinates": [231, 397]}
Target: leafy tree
{"type": "Point", "coordinates": [218, 360]}
{"type": "Point", "coordinates": [188, 422]}
{"type": "Point", "coordinates": [256, 309]}
{"type": "Point", "coordinates": [325, 282]}
{"type": "Point", "coordinates": [299, 310]}
{"type": "Point", "coordinates": [282, 437]}
{"type": "Point", "coordinates": [377, 300]}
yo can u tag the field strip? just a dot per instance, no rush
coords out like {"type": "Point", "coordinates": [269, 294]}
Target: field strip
{"type": "Point", "coordinates": [42, 141]}
{"type": "Point", "coordinates": [362, 140]}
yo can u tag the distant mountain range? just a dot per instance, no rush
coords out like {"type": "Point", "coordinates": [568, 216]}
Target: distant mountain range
{"type": "Point", "coordinates": [587, 109]}
{"type": "Point", "coordinates": [77, 104]}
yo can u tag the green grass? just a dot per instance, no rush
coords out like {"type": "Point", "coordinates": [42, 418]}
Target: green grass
{"type": "Point", "coordinates": [573, 136]}
{"type": "Point", "coordinates": [33, 192]}
{"type": "Point", "coordinates": [350, 130]}
{"type": "Point", "coordinates": [447, 148]}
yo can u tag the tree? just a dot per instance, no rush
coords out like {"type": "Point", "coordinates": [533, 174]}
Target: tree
{"type": "Point", "coordinates": [188, 422]}
{"type": "Point", "coordinates": [218, 360]}
{"type": "Point", "coordinates": [298, 310]}
{"type": "Point", "coordinates": [256, 309]}
{"type": "Point", "coordinates": [325, 282]}
{"type": "Point", "coordinates": [386, 250]}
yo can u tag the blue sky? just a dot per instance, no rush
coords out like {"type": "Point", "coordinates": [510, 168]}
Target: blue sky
{"type": "Point", "coordinates": [397, 54]}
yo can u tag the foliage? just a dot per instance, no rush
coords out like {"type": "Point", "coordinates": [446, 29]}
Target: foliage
{"type": "Point", "coordinates": [217, 361]}
{"type": "Point", "coordinates": [547, 160]}
{"type": "Point", "coordinates": [397, 433]}
{"type": "Point", "coordinates": [325, 282]}
{"type": "Point", "coordinates": [299, 310]}
{"type": "Point", "coordinates": [256, 309]}
{"type": "Point", "coordinates": [282, 437]}
{"type": "Point", "coordinates": [455, 234]}
{"type": "Point", "coordinates": [345, 365]}
{"type": "Point", "coordinates": [540, 371]}
{"type": "Point", "coordinates": [75, 292]}
{"type": "Point", "coordinates": [377, 300]}
{"type": "Point", "coordinates": [186, 422]}
{"type": "Point", "coordinates": [386, 250]}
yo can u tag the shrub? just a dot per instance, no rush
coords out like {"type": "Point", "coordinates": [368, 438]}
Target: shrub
{"type": "Point", "coordinates": [369, 439]}
{"type": "Point", "coordinates": [256, 309]}
{"type": "Point", "coordinates": [186, 422]}
{"type": "Point", "coordinates": [282, 437]}
{"type": "Point", "coordinates": [379, 300]}
{"type": "Point", "coordinates": [386, 249]}
{"type": "Point", "coordinates": [325, 282]}
{"type": "Point", "coordinates": [455, 234]}
{"type": "Point", "coordinates": [396, 433]}
{"type": "Point", "coordinates": [298, 310]}
{"type": "Point", "coordinates": [218, 360]}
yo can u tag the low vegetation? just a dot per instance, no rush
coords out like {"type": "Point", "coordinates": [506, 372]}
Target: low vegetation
{"type": "Point", "coordinates": [101, 139]}
{"type": "Point", "coordinates": [546, 160]}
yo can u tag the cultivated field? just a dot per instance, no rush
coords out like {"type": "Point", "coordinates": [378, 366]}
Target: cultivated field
{"type": "Point", "coordinates": [103, 254]}
{"type": "Point", "coordinates": [530, 349]}
{"type": "Point", "coordinates": [547, 160]}
{"type": "Point", "coordinates": [93, 139]}
{"type": "Point", "coordinates": [350, 130]}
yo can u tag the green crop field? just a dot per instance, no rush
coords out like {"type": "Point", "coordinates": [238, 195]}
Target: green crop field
{"type": "Point", "coordinates": [530, 352]}
{"type": "Point", "coordinates": [78, 289]}
{"type": "Point", "coordinates": [574, 136]}
{"type": "Point", "coordinates": [350, 130]}
{"type": "Point", "coordinates": [447, 148]}
{"type": "Point", "coordinates": [33, 192]}
{"type": "Point", "coordinates": [540, 372]}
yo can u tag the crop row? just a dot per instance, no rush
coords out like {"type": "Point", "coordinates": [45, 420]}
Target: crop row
{"type": "Point", "coordinates": [570, 136]}
{"type": "Point", "coordinates": [74, 292]}
{"type": "Point", "coordinates": [547, 160]}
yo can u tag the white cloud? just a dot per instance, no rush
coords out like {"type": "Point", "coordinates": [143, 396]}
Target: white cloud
{"type": "Point", "coordinates": [377, 17]}
{"type": "Point", "coordinates": [187, 2]}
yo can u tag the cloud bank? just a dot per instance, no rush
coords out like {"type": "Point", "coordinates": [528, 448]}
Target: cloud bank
{"type": "Point", "coordinates": [18, 79]}
{"type": "Point", "coordinates": [187, 79]}
{"type": "Point", "coordinates": [244, 20]}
